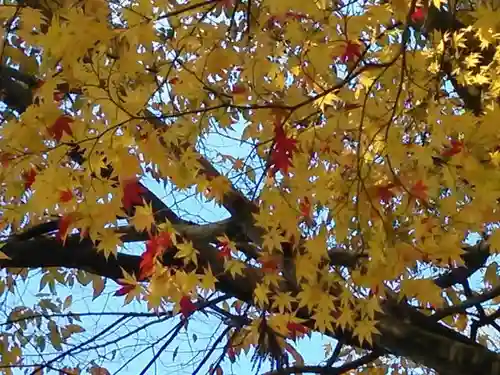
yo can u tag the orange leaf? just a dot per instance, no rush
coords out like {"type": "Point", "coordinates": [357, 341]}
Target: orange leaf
{"type": "Point", "coordinates": [269, 264]}
{"type": "Point", "coordinates": [154, 248]}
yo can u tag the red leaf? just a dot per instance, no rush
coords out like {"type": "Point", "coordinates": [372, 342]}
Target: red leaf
{"type": "Point", "coordinates": [352, 52]}
{"type": "Point", "coordinates": [224, 250]}
{"type": "Point", "coordinates": [419, 190]}
{"type": "Point", "coordinates": [282, 152]}
{"type": "Point", "coordinates": [146, 266]}
{"type": "Point", "coordinates": [231, 354]}
{"type": "Point", "coordinates": [132, 191]}
{"type": "Point", "coordinates": [226, 3]}
{"type": "Point", "coordinates": [454, 148]}
{"type": "Point", "coordinates": [58, 96]}
{"type": "Point", "coordinates": [164, 240]}
{"type": "Point", "coordinates": [296, 16]}
{"type": "Point", "coordinates": [63, 227]}
{"type": "Point", "coordinates": [295, 328]}
{"type": "Point", "coordinates": [154, 248]}
{"type": "Point", "coordinates": [305, 208]}
{"type": "Point", "coordinates": [60, 126]}
{"type": "Point", "coordinates": [384, 193]}
{"type": "Point", "coordinates": [5, 158]}
{"type": "Point", "coordinates": [187, 306]}
{"type": "Point", "coordinates": [65, 196]}
{"type": "Point", "coordinates": [418, 15]}
{"type": "Point", "coordinates": [84, 233]}
{"type": "Point", "coordinates": [39, 83]}
{"type": "Point", "coordinates": [29, 178]}
{"type": "Point", "coordinates": [239, 89]}
{"type": "Point", "coordinates": [125, 289]}
{"type": "Point", "coordinates": [174, 80]}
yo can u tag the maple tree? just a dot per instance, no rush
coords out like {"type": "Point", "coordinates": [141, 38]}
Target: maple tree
{"type": "Point", "coordinates": [360, 186]}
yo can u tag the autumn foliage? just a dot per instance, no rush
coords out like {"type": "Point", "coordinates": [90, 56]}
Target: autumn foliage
{"type": "Point", "coordinates": [273, 174]}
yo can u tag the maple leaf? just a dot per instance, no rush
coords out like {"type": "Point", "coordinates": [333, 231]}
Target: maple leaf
{"type": "Point", "coordinates": [132, 191]}
{"type": "Point", "coordinates": [419, 190]}
{"type": "Point", "coordinates": [454, 148]}
{"type": "Point", "coordinates": [57, 95]}
{"type": "Point", "coordinates": [147, 263]}
{"type": "Point", "coordinates": [143, 219]}
{"type": "Point", "coordinates": [384, 193]}
{"type": "Point", "coordinates": [65, 196]}
{"type": "Point", "coordinates": [269, 264]}
{"type": "Point", "coordinates": [296, 328]}
{"type": "Point", "coordinates": [5, 158]}
{"type": "Point", "coordinates": [226, 3]}
{"type": "Point", "coordinates": [60, 126]}
{"type": "Point", "coordinates": [282, 152]}
{"type": "Point", "coordinates": [305, 208]}
{"type": "Point", "coordinates": [187, 307]}
{"type": "Point", "coordinates": [239, 89]}
{"type": "Point", "coordinates": [29, 178]}
{"type": "Point", "coordinates": [418, 16]}
{"type": "Point", "coordinates": [155, 247]}
{"type": "Point", "coordinates": [231, 354]}
{"type": "Point", "coordinates": [164, 240]}
{"type": "Point", "coordinates": [352, 52]}
{"type": "Point", "coordinates": [148, 258]}
{"type": "Point", "coordinates": [63, 227]}
{"type": "Point", "coordinates": [125, 289]}
{"type": "Point", "coordinates": [296, 16]}
{"type": "Point", "coordinates": [224, 249]}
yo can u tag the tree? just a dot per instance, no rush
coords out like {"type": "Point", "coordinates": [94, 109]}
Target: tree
{"type": "Point", "coordinates": [360, 184]}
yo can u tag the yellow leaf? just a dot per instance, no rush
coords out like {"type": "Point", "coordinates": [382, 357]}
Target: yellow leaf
{"type": "Point", "coordinates": [260, 295]}
{"type": "Point", "coordinates": [494, 240]}
{"type": "Point", "coordinates": [234, 267]}
{"type": "Point", "coordinates": [208, 280]}
{"type": "Point", "coordinates": [4, 256]}
{"type": "Point", "coordinates": [437, 3]}
{"type": "Point", "coordinates": [143, 219]}
{"type": "Point", "coordinates": [109, 241]}
{"type": "Point", "coordinates": [364, 330]}
{"type": "Point", "coordinates": [187, 252]}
